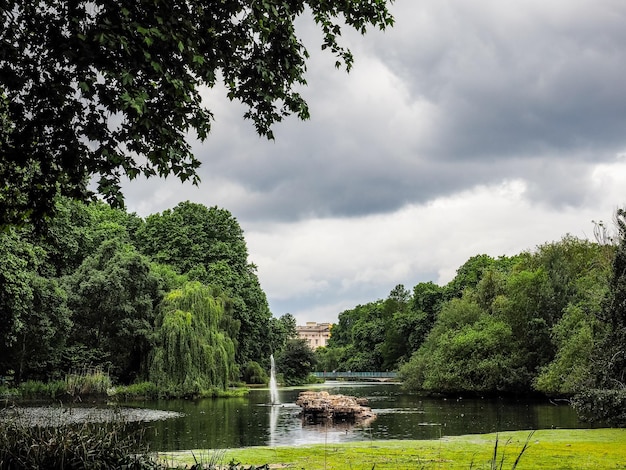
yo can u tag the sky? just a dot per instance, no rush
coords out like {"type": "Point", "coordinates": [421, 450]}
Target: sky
{"type": "Point", "coordinates": [470, 127]}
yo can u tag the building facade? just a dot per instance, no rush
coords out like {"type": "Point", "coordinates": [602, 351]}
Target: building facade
{"type": "Point", "coordinates": [315, 334]}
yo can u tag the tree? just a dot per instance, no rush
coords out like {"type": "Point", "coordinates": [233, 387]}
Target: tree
{"type": "Point", "coordinates": [329, 359]}
{"type": "Point", "coordinates": [525, 307]}
{"type": "Point", "coordinates": [281, 330]}
{"type": "Point", "coordinates": [427, 298]}
{"type": "Point", "coordinates": [296, 361]}
{"type": "Point", "coordinates": [610, 352]}
{"type": "Point", "coordinates": [38, 351]}
{"type": "Point", "coordinates": [192, 235]}
{"type": "Point", "coordinates": [468, 275]}
{"type": "Point", "coordinates": [604, 397]}
{"type": "Point", "coordinates": [360, 332]}
{"type": "Point", "coordinates": [572, 367]}
{"type": "Point", "coordinates": [16, 295]}
{"type": "Point", "coordinates": [467, 350]}
{"type": "Point", "coordinates": [208, 245]}
{"type": "Point", "coordinates": [193, 353]}
{"type": "Point", "coordinates": [107, 88]}
{"type": "Point", "coordinates": [112, 296]}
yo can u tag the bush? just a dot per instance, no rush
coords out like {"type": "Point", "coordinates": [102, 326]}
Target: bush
{"type": "Point", "coordinates": [7, 393]}
{"type": "Point", "coordinates": [35, 389]}
{"type": "Point", "coordinates": [136, 390]}
{"type": "Point", "coordinates": [253, 373]}
{"type": "Point", "coordinates": [604, 406]}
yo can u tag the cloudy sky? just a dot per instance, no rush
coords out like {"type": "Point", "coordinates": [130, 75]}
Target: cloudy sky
{"type": "Point", "coordinates": [470, 127]}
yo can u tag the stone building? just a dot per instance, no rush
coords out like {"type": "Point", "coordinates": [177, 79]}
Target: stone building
{"type": "Point", "coordinates": [316, 334]}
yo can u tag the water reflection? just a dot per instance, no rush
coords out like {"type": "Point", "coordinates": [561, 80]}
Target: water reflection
{"type": "Point", "coordinates": [274, 409]}
{"type": "Point", "coordinates": [250, 421]}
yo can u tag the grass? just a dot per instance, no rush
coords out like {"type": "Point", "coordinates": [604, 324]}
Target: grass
{"type": "Point", "coordinates": [546, 449]}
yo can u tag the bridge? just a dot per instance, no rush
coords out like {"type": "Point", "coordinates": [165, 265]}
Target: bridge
{"type": "Point", "coordinates": [377, 376]}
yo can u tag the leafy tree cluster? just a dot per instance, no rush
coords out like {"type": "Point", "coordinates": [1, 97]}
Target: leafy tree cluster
{"type": "Point", "coordinates": [296, 361]}
{"type": "Point", "coordinates": [382, 334]}
{"type": "Point", "coordinates": [534, 322]}
{"type": "Point", "coordinates": [171, 298]}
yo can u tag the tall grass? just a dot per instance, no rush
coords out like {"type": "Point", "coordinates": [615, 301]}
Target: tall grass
{"type": "Point", "coordinates": [35, 389]}
{"type": "Point", "coordinates": [88, 382]}
{"type": "Point", "coordinates": [100, 446]}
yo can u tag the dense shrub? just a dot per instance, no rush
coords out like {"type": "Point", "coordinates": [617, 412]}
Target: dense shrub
{"type": "Point", "coordinates": [253, 373]}
{"type": "Point", "coordinates": [601, 406]}
{"type": "Point", "coordinates": [136, 390]}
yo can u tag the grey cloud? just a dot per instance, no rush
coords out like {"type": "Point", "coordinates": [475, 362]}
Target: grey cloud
{"type": "Point", "coordinates": [536, 92]}
{"type": "Point", "coordinates": [532, 81]}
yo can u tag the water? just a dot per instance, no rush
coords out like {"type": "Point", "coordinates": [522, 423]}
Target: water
{"type": "Point", "coordinates": [253, 421]}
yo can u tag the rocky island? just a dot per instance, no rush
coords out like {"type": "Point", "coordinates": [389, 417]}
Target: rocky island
{"type": "Point", "coordinates": [317, 406]}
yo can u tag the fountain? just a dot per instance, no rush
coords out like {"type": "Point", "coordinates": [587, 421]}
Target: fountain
{"type": "Point", "coordinates": [274, 400]}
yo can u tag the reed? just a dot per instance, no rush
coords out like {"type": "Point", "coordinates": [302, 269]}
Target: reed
{"type": "Point", "coordinates": [35, 389]}
{"type": "Point", "coordinates": [499, 456]}
{"type": "Point", "coordinates": [88, 382]}
{"type": "Point", "coordinates": [110, 445]}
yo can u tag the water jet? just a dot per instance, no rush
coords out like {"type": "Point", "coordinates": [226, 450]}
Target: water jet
{"type": "Point", "coordinates": [274, 399]}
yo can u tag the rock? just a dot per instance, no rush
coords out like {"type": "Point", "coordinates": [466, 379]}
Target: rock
{"type": "Point", "coordinates": [322, 405]}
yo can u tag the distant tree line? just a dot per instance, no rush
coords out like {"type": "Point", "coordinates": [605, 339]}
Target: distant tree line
{"type": "Point", "coordinates": [550, 321]}
{"type": "Point", "coordinates": [171, 298]}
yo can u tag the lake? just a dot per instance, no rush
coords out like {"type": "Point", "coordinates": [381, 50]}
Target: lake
{"type": "Point", "coordinates": [251, 421]}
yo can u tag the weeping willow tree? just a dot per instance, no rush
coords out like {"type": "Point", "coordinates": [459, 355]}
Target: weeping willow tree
{"type": "Point", "coordinates": [193, 353]}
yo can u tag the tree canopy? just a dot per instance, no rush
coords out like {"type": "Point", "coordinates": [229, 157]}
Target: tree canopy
{"type": "Point", "coordinates": [107, 88]}
{"type": "Point", "coordinates": [104, 289]}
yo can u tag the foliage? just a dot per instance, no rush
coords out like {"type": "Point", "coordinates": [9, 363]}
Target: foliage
{"type": "Point", "coordinates": [383, 334]}
{"type": "Point", "coordinates": [192, 234]}
{"type": "Point", "coordinates": [525, 309]}
{"type": "Point", "coordinates": [604, 398]}
{"type": "Point", "coordinates": [574, 339]}
{"type": "Point", "coordinates": [207, 245]}
{"type": "Point", "coordinates": [466, 350]}
{"type": "Point", "coordinates": [136, 390]}
{"type": "Point", "coordinates": [329, 358]}
{"type": "Point", "coordinates": [38, 390]}
{"type": "Point", "coordinates": [112, 296]}
{"type": "Point", "coordinates": [82, 293]}
{"type": "Point", "coordinates": [610, 353]}
{"type": "Point", "coordinates": [89, 382]}
{"type": "Point", "coordinates": [34, 319]}
{"type": "Point", "coordinates": [281, 330]}
{"type": "Point", "coordinates": [468, 275]}
{"type": "Point", "coordinates": [16, 293]}
{"type": "Point", "coordinates": [520, 324]}
{"type": "Point", "coordinates": [109, 89]}
{"type": "Point", "coordinates": [253, 373]}
{"type": "Point", "coordinates": [604, 406]}
{"type": "Point", "coordinates": [192, 352]}
{"type": "Point", "coordinates": [295, 362]}
{"type": "Point", "coordinates": [76, 385]}
{"type": "Point", "coordinates": [361, 333]}
{"type": "Point", "coordinates": [46, 326]}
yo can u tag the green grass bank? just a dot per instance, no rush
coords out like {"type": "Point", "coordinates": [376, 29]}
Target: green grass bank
{"type": "Point", "coordinates": [546, 449]}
